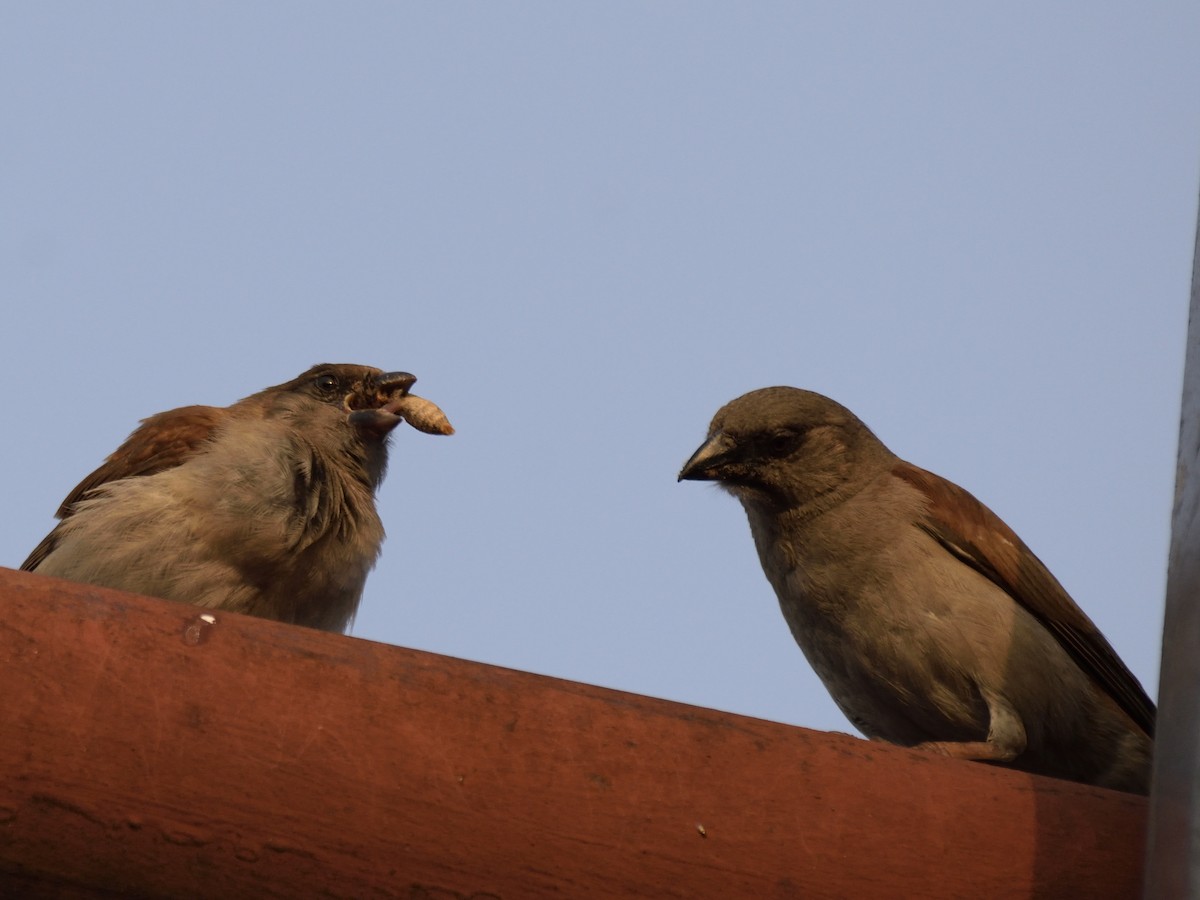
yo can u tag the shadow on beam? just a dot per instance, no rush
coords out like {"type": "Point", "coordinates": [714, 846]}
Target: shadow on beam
{"type": "Point", "coordinates": [146, 752]}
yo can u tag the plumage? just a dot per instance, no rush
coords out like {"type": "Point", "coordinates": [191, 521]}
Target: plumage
{"type": "Point", "coordinates": [930, 622]}
{"type": "Point", "coordinates": [265, 507]}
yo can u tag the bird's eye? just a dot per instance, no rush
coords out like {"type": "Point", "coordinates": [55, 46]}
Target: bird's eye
{"type": "Point", "coordinates": [783, 442]}
{"type": "Point", "coordinates": [326, 384]}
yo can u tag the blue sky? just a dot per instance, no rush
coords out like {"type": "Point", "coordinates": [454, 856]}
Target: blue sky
{"type": "Point", "coordinates": [585, 227]}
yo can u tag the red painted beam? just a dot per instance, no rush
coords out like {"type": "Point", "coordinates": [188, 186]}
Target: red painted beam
{"type": "Point", "coordinates": [146, 752]}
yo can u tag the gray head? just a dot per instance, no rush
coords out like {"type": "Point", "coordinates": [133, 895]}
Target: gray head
{"type": "Point", "coordinates": [342, 409]}
{"type": "Point", "coordinates": [787, 448]}
{"type": "Point", "coordinates": [347, 390]}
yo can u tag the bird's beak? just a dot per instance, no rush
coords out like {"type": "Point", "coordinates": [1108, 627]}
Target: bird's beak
{"type": "Point", "coordinates": [706, 462]}
{"type": "Point", "coordinates": [395, 382]}
{"type": "Point", "coordinates": [380, 420]}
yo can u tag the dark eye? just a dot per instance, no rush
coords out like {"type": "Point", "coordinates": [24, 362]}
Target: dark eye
{"type": "Point", "coordinates": [326, 384]}
{"type": "Point", "coordinates": [783, 442]}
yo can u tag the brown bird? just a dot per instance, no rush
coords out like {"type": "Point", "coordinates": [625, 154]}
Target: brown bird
{"type": "Point", "coordinates": [928, 620]}
{"type": "Point", "coordinates": [265, 507]}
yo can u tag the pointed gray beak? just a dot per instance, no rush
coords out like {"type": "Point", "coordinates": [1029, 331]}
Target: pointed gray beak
{"type": "Point", "coordinates": [706, 461]}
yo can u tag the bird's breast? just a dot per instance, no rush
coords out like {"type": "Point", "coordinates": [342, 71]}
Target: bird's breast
{"type": "Point", "coordinates": [871, 613]}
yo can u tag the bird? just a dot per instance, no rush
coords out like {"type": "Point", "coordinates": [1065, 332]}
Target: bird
{"type": "Point", "coordinates": [265, 507]}
{"type": "Point", "coordinates": [928, 620]}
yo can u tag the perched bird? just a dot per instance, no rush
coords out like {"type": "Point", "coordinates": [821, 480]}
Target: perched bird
{"type": "Point", "coordinates": [265, 507]}
{"type": "Point", "coordinates": [928, 620]}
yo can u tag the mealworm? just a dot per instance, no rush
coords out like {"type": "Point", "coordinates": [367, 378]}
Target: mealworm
{"type": "Point", "coordinates": [421, 414]}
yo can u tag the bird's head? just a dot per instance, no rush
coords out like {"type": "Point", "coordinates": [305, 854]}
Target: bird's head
{"type": "Point", "coordinates": [347, 412]}
{"type": "Point", "coordinates": [363, 397]}
{"type": "Point", "coordinates": [786, 448]}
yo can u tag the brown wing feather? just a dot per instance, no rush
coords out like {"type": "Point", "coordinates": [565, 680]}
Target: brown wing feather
{"type": "Point", "coordinates": [161, 442]}
{"type": "Point", "coordinates": [978, 537]}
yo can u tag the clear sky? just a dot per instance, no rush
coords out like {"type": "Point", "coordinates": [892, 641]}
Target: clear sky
{"type": "Point", "coordinates": [587, 226]}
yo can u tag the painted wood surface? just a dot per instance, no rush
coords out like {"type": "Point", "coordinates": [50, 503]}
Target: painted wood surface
{"type": "Point", "coordinates": [145, 751]}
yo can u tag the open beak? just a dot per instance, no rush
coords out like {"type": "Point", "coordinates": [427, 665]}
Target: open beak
{"type": "Point", "coordinates": [377, 419]}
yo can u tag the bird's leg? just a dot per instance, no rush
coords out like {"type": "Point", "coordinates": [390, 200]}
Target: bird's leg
{"type": "Point", "coordinates": [1005, 740]}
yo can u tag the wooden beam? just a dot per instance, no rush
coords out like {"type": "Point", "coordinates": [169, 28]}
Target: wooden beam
{"type": "Point", "coordinates": [1174, 848]}
{"type": "Point", "coordinates": [148, 752]}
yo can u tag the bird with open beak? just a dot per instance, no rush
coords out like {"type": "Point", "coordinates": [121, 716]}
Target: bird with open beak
{"type": "Point", "coordinates": [929, 621]}
{"type": "Point", "coordinates": [265, 507]}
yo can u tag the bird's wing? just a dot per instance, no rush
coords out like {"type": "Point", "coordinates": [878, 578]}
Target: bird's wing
{"type": "Point", "coordinates": [161, 442]}
{"type": "Point", "coordinates": [977, 536]}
